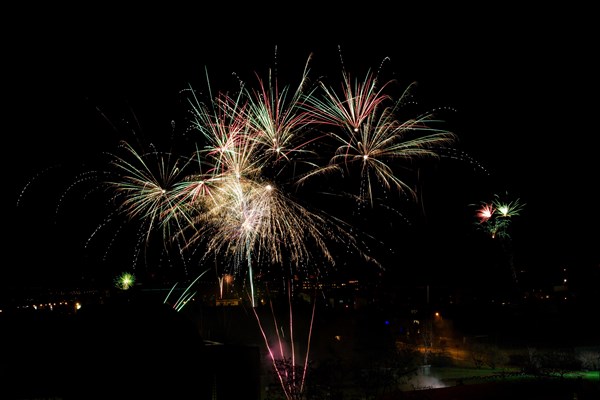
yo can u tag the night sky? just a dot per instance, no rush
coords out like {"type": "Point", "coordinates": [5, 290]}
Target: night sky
{"type": "Point", "coordinates": [521, 90]}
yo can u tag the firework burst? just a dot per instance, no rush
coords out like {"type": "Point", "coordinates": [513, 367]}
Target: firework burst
{"type": "Point", "coordinates": [277, 121]}
{"type": "Point", "coordinates": [238, 196]}
{"type": "Point", "coordinates": [495, 217]}
{"type": "Point", "coordinates": [250, 217]}
{"type": "Point", "coordinates": [371, 138]}
{"type": "Point", "coordinates": [124, 281]}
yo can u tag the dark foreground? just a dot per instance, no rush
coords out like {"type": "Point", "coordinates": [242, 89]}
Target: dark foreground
{"type": "Point", "coordinates": [531, 390]}
{"type": "Point", "coordinates": [130, 350]}
{"type": "Point", "coordinates": [118, 351]}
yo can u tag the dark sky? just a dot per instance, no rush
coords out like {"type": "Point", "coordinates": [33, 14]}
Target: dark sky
{"type": "Point", "coordinates": [522, 87]}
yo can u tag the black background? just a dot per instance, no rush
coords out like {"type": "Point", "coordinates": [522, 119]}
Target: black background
{"type": "Point", "coordinates": [522, 85]}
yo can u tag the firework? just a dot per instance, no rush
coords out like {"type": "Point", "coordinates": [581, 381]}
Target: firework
{"type": "Point", "coordinates": [237, 197]}
{"type": "Point", "coordinates": [485, 212]}
{"type": "Point", "coordinates": [495, 217]}
{"type": "Point", "coordinates": [250, 217]}
{"type": "Point", "coordinates": [508, 209]}
{"type": "Point", "coordinates": [277, 122]}
{"type": "Point", "coordinates": [124, 281]}
{"type": "Point", "coordinates": [372, 140]}
{"type": "Point", "coordinates": [290, 373]}
{"type": "Point", "coordinates": [146, 188]}
{"type": "Point", "coordinates": [184, 297]}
